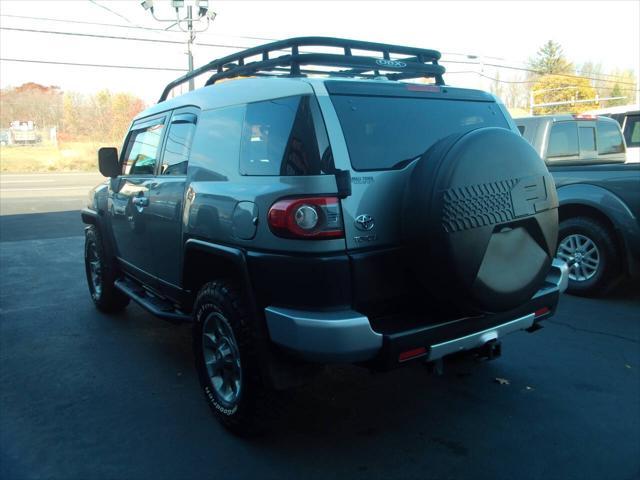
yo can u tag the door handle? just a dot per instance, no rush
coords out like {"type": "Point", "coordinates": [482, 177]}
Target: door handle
{"type": "Point", "coordinates": [140, 201]}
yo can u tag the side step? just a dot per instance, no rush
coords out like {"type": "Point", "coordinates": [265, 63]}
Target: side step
{"type": "Point", "coordinates": [155, 305]}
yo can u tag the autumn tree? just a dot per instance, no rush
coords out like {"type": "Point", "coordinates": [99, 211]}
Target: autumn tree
{"type": "Point", "coordinates": [567, 91]}
{"type": "Point", "coordinates": [31, 102]}
{"type": "Point", "coordinates": [550, 59]}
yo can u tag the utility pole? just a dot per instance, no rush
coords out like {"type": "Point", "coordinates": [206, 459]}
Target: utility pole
{"type": "Point", "coordinates": [204, 15]}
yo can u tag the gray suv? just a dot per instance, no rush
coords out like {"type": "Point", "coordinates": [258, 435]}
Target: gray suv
{"type": "Point", "coordinates": [324, 210]}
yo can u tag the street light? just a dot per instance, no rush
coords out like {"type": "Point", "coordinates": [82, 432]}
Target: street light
{"type": "Point", "coordinates": [204, 16]}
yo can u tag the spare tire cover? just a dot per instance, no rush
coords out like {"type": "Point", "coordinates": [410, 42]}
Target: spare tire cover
{"type": "Point", "coordinates": [481, 220]}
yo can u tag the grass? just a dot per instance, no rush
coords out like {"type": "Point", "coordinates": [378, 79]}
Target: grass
{"type": "Point", "coordinates": [47, 157]}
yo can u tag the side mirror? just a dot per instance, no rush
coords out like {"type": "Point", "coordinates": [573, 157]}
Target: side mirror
{"type": "Point", "coordinates": [108, 162]}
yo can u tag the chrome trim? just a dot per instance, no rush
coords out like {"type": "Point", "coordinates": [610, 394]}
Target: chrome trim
{"type": "Point", "coordinates": [478, 339]}
{"type": "Point", "coordinates": [332, 336]}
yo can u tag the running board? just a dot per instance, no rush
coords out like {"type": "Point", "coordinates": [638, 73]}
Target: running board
{"type": "Point", "coordinates": [155, 305]}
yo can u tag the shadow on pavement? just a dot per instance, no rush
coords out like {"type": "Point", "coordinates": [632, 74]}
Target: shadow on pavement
{"type": "Point", "coordinates": [40, 226]}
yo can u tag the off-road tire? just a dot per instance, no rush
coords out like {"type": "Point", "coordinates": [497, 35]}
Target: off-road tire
{"type": "Point", "coordinates": [255, 404]}
{"type": "Point", "coordinates": [107, 298]}
{"type": "Point", "coordinates": [608, 271]}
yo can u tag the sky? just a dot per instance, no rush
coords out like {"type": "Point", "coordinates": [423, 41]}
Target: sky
{"type": "Point", "coordinates": [499, 32]}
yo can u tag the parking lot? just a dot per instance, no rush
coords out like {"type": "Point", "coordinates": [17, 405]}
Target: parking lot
{"type": "Point", "coordinates": [85, 395]}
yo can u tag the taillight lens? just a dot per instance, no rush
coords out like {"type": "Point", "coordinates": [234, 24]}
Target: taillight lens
{"type": "Point", "coordinates": [311, 218]}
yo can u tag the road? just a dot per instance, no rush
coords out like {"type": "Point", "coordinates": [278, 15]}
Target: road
{"type": "Point", "coordinates": [84, 395]}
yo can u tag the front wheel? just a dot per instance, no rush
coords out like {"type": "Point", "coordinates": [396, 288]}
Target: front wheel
{"type": "Point", "coordinates": [590, 251]}
{"type": "Point", "coordinates": [227, 361]}
{"type": "Point", "coordinates": [100, 274]}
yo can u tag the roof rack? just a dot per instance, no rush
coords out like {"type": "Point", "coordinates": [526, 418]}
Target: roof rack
{"type": "Point", "coordinates": [413, 63]}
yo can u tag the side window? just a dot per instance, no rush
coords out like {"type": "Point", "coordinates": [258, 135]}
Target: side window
{"type": "Point", "coordinates": [142, 150]}
{"type": "Point", "coordinates": [563, 140]}
{"type": "Point", "coordinates": [178, 145]}
{"type": "Point", "coordinates": [632, 131]}
{"type": "Point", "coordinates": [521, 129]}
{"type": "Point", "coordinates": [280, 137]}
{"type": "Point", "coordinates": [609, 138]}
{"type": "Point", "coordinates": [587, 139]}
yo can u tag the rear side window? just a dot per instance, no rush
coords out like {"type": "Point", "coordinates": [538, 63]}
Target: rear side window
{"type": "Point", "coordinates": [383, 133]}
{"type": "Point", "coordinates": [587, 139]}
{"type": "Point", "coordinates": [284, 137]}
{"type": "Point", "coordinates": [563, 140]}
{"type": "Point", "coordinates": [632, 131]}
{"type": "Point", "coordinates": [178, 145]}
{"type": "Point", "coordinates": [609, 138]}
{"type": "Point", "coordinates": [521, 129]}
{"type": "Point", "coordinates": [141, 152]}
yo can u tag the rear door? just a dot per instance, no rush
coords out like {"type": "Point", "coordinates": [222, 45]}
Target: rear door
{"type": "Point", "coordinates": [383, 130]}
{"type": "Point", "coordinates": [129, 197]}
{"type": "Point", "coordinates": [166, 199]}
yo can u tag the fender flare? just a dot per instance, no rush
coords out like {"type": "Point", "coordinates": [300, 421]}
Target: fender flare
{"type": "Point", "coordinates": [626, 224]}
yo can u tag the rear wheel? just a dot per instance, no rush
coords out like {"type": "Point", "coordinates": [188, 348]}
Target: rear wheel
{"type": "Point", "coordinates": [590, 251]}
{"type": "Point", "coordinates": [101, 274]}
{"type": "Point", "coordinates": [227, 361]}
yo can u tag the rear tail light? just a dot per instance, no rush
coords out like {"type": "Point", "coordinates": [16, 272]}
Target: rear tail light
{"type": "Point", "coordinates": [541, 312]}
{"type": "Point", "coordinates": [310, 218]}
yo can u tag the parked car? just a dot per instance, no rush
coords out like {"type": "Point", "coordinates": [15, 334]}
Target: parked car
{"type": "Point", "coordinates": [630, 123]}
{"type": "Point", "coordinates": [344, 217]}
{"type": "Point", "coordinates": [599, 197]}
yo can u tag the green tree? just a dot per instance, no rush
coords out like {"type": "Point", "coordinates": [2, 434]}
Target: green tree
{"type": "Point", "coordinates": [558, 88]}
{"type": "Point", "coordinates": [550, 59]}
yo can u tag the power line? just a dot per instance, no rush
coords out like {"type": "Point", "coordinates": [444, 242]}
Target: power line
{"type": "Point", "coordinates": [111, 11]}
{"type": "Point", "coordinates": [117, 37]}
{"type": "Point", "coordinates": [140, 27]}
{"type": "Point", "coordinates": [133, 67]}
{"type": "Point", "coordinates": [175, 42]}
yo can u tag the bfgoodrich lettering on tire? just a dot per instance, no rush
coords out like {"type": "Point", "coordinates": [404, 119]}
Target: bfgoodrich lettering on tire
{"type": "Point", "coordinates": [224, 345]}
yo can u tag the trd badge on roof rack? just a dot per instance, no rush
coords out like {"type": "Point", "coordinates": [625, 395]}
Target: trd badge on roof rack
{"type": "Point", "coordinates": [391, 63]}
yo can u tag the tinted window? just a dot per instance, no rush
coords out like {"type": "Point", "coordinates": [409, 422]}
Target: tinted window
{"type": "Point", "coordinates": [609, 138]}
{"type": "Point", "coordinates": [178, 148]}
{"type": "Point", "coordinates": [521, 129]}
{"type": "Point", "coordinates": [632, 131]}
{"type": "Point", "coordinates": [216, 145]}
{"type": "Point", "coordinates": [388, 132]}
{"type": "Point", "coordinates": [563, 140]}
{"type": "Point", "coordinates": [280, 138]}
{"type": "Point", "coordinates": [142, 150]}
{"type": "Point", "coordinates": [587, 139]}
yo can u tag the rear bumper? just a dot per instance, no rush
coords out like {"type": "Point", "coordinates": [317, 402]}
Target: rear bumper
{"type": "Point", "coordinates": [347, 336]}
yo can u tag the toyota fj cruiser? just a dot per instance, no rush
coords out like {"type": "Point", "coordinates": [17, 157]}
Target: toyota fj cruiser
{"type": "Point", "coordinates": [322, 211]}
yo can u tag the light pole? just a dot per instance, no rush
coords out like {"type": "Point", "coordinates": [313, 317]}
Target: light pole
{"type": "Point", "coordinates": [204, 15]}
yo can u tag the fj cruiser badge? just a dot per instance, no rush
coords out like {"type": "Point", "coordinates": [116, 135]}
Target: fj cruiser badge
{"type": "Point", "coordinates": [391, 63]}
{"type": "Point", "coordinates": [364, 222]}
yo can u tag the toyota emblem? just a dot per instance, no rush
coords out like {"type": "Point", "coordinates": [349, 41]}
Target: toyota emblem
{"type": "Point", "coordinates": [364, 222]}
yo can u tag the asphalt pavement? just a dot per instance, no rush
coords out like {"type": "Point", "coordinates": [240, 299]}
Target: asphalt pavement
{"type": "Point", "coordinates": [85, 395]}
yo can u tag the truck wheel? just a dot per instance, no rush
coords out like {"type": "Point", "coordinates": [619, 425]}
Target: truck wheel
{"type": "Point", "coordinates": [101, 275]}
{"type": "Point", "coordinates": [590, 251]}
{"type": "Point", "coordinates": [227, 361]}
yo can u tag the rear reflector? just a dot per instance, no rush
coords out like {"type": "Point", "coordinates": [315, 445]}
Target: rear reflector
{"type": "Point", "coordinates": [541, 311]}
{"type": "Point", "coordinates": [414, 353]}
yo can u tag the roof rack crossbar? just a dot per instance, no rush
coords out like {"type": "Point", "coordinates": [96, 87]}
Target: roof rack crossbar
{"type": "Point", "coordinates": [418, 62]}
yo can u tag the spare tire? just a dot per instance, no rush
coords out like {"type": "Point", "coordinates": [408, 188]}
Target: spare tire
{"type": "Point", "coordinates": [481, 220]}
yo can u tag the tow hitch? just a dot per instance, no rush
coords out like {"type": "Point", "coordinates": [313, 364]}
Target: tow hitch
{"type": "Point", "coordinates": [490, 350]}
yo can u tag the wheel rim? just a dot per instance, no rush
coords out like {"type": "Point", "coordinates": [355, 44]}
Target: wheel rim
{"type": "Point", "coordinates": [582, 255]}
{"type": "Point", "coordinates": [222, 358]}
{"type": "Point", "coordinates": [95, 270]}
